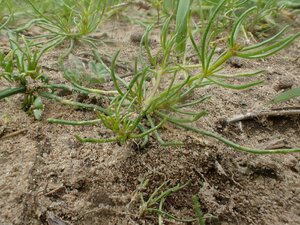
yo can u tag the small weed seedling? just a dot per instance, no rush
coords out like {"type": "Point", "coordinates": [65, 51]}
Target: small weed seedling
{"type": "Point", "coordinates": [75, 22]}
{"type": "Point", "coordinates": [154, 204]}
{"type": "Point", "coordinates": [21, 66]}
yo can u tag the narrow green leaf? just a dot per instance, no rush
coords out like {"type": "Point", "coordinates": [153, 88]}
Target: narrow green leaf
{"type": "Point", "coordinates": [11, 91]}
{"type": "Point", "coordinates": [199, 213]}
{"type": "Point", "coordinates": [95, 140]}
{"type": "Point", "coordinates": [269, 50]}
{"type": "Point", "coordinates": [238, 75]}
{"type": "Point", "coordinates": [147, 132]}
{"type": "Point", "coordinates": [74, 123]}
{"type": "Point", "coordinates": [198, 101]}
{"type": "Point", "coordinates": [235, 87]}
{"type": "Point", "coordinates": [6, 22]}
{"type": "Point", "coordinates": [287, 95]}
{"type": "Point", "coordinates": [265, 42]}
{"type": "Point", "coordinates": [204, 42]}
{"type": "Point", "coordinates": [113, 75]}
{"type": "Point", "coordinates": [164, 32]}
{"type": "Point", "coordinates": [181, 24]}
{"type": "Point", "coordinates": [237, 26]}
{"type": "Point", "coordinates": [234, 145]}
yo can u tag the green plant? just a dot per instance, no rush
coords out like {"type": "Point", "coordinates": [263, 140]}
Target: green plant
{"type": "Point", "coordinates": [154, 203]}
{"type": "Point", "coordinates": [21, 66]}
{"type": "Point", "coordinates": [293, 4]}
{"type": "Point", "coordinates": [5, 22]}
{"type": "Point", "coordinates": [6, 13]}
{"type": "Point", "coordinates": [262, 20]}
{"type": "Point", "coordinates": [181, 24]}
{"type": "Point", "coordinates": [160, 92]}
{"type": "Point", "coordinates": [75, 21]}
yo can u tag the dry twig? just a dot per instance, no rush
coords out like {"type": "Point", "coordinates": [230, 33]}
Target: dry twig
{"type": "Point", "coordinates": [14, 134]}
{"type": "Point", "coordinates": [253, 115]}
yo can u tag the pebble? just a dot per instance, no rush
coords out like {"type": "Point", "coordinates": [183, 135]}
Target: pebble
{"type": "Point", "coordinates": [236, 63]}
{"type": "Point", "coordinates": [283, 84]}
{"type": "Point", "coordinates": [137, 38]}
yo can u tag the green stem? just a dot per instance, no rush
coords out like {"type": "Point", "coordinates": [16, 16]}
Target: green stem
{"type": "Point", "coordinates": [73, 103]}
{"type": "Point", "coordinates": [154, 89]}
{"type": "Point", "coordinates": [232, 144]}
{"type": "Point", "coordinates": [220, 61]}
{"type": "Point", "coordinates": [6, 22]}
{"type": "Point", "coordinates": [64, 87]}
{"type": "Point", "coordinates": [95, 140]}
{"type": "Point", "coordinates": [74, 123]}
{"type": "Point", "coordinates": [12, 91]}
{"type": "Point", "coordinates": [159, 139]}
{"type": "Point", "coordinates": [293, 5]}
{"type": "Point", "coordinates": [199, 213]}
{"type": "Point", "coordinates": [185, 66]}
{"type": "Point", "coordinates": [94, 91]}
{"type": "Point", "coordinates": [160, 217]}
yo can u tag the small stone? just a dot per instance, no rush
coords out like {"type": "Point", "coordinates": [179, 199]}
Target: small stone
{"type": "Point", "coordinates": [73, 154]}
{"type": "Point", "coordinates": [137, 38]}
{"type": "Point", "coordinates": [283, 84]}
{"type": "Point", "coordinates": [236, 63]}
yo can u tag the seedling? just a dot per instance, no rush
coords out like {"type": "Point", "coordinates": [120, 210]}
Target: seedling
{"type": "Point", "coordinates": [154, 204]}
{"type": "Point", "coordinates": [21, 66]}
{"type": "Point", "coordinates": [79, 20]}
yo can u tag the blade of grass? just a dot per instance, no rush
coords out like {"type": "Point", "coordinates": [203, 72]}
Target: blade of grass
{"type": "Point", "coordinates": [181, 24]}
{"type": "Point", "coordinates": [287, 95]}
